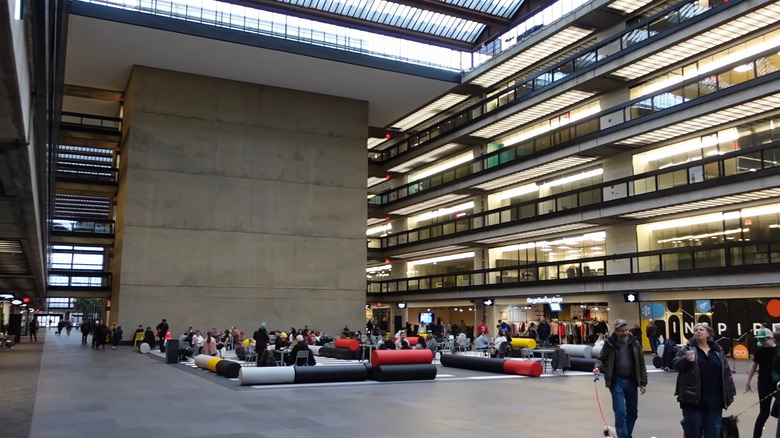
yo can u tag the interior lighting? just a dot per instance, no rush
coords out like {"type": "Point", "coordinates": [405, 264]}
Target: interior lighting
{"type": "Point", "coordinates": [379, 229]}
{"type": "Point", "coordinates": [16, 302]}
{"type": "Point", "coordinates": [569, 179]}
{"type": "Point", "coordinates": [6, 296]}
{"type": "Point", "coordinates": [374, 269]}
{"type": "Point", "coordinates": [744, 68]}
{"type": "Point", "coordinates": [464, 255]}
{"type": "Point", "coordinates": [465, 158]}
{"type": "Point", "coordinates": [523, 190]}
{"type": "Point", "coordinates": [443, 211]}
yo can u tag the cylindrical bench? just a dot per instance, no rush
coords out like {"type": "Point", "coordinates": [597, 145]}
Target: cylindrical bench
{"type": "Point", "coordinates": [338, 353]}
{"type": "Point", "coordinates": [241, 352]}
{"type": "Point", "coordinates": [578, 350]}
{"type": "Point", "coordinates": [473, 363]}
{"type": "Point", "coordinates": [523, 343]}
{"type": "Point", "coordinates": [351, 344]}
{"type": "Point", "coordinates": [596, 351]}
{"type": "Point", "coordinates": [144, 348]}
{"type": "Point", "coordinates": [266, 375]}
{"type": "Point", "coordinates": [530, 368]}
{"type": "Point", "coordinates": [582, 364]}
{"type": "Point", "coordinates": [338, 373]}
{"type": "Point", "coordinates": [315, 349]}
{"type": "Point", "coordinates": [411, 339]}
{"type": "Point", "coordinates": [394, 373]}
{"type": "Point", "coordinates": [228, 368]}
{"type": "Point", "coordinates": [401, 357]}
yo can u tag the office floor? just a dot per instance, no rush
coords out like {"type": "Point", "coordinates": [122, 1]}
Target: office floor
{"type": "Point", "coordinates": [121, 393]}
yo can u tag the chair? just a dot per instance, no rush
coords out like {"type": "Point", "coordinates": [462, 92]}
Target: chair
{"type": "Point", "coordinates": [302, 355]}
{"type": "Point", "coordinates": [139, 337]}
{"type": "Point", "coordinates": [251, 357]}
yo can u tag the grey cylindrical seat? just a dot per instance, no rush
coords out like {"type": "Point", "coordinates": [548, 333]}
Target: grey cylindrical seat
{"type": "Point", "coordinates": [266, 375]}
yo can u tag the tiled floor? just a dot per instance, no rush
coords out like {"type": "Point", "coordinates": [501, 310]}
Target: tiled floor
{"type": "Point", "coordinates": [85, 393]}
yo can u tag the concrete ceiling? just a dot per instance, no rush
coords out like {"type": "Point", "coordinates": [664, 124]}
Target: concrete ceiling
{"type": "Point", "coordinates": [100, 54]}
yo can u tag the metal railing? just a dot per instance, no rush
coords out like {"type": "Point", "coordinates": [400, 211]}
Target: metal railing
{"type": "Point", "coordinates": [91, 122]}
{"type": "Point", "coordinates": [79, 279]}
{"type": "Point", "coordinates": [631, 111]}
{"type": "Point", "coordinates": [725, 255]}
{"type": "Point", "coordinates": [759, 160]}
{"type": "Point", "coordinates": [659, 23]}
{"type": "Point", "coordinates": [92, 226]}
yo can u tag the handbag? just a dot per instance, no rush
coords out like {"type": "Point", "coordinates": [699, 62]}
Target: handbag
{"type": "Point", "coordinates": [775, 408]}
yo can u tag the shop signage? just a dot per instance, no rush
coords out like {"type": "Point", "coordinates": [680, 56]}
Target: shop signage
{"type": "Point", "coordinates": [545, 299]}
{"type": "Point", "coordinates": [488, 301]}
{"type": "Point", "coordinates": [401, 305]}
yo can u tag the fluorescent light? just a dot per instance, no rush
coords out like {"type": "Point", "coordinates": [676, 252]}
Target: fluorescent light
{"type": "Point", "coordinates": [443, 212]}
{"type": "Point", "coordinates": [758, 211]}
{"type": "Point", "coordinates": [373, 269]}
{"type": "Point", "coordinates": [743, 68]}
{"type": "Point", "coordinates": [523, 190]}
{"type": "Point", "coordinates": [465, 158]}
{"type": "Point", "coordinates": [569, 179]}
{"type": "Point", "coordinates": [465, 255]}
{"type": "Point", "coordinates": [379, 229]}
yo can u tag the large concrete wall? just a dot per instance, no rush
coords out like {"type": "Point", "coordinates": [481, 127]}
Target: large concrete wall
{"type": "Point", "coordinates": [239, 203]}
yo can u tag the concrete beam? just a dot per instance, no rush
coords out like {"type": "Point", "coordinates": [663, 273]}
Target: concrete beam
{"type": "Point", "coordinates": [12, 122]}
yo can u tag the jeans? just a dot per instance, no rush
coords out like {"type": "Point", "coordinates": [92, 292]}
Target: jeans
{"type": "Point", "coordinates": [624, 403]}
{"type": "Point", "coordinates": [654, 344]}
{"type": "Point", "coordinates": [700, 423]}
{"type": "Point", "coordinates": [544, 342]}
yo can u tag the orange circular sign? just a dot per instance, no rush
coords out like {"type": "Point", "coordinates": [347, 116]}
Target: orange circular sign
{"type": "Point", "coordinates": [740, 352]}
{"type": "Point", "coordinates": [773, 308]}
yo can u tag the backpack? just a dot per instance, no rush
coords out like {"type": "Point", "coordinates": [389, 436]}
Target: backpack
{"type": "Point", "coordinates": [560, 360]}
{"type": "Point", "coordinates": [670, 351]}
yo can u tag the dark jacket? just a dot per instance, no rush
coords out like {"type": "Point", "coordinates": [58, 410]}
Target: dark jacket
{"type": "Point", "coordinates": [606, 361]}
{"type": "Point", "coordinates": [651, 331]}
{"type": "Point", "coordinates": [776, 371]}
{"type": "Point", "coordinates": [149, 338]}
{"type": "Point", "coordinates": [100, 334]}
{"type": "Point", "coordinates": [162, 328]}
{"type": "Point", "coordinates": [261, 338]}
{"type": "Point", "coordinates": [688, 387]}
{"type": "Point", "coordinates": [116, 335]}
{"type": "Point", "coordinates": [543, 330]}
{"type": "Point", "coordinates": [300, 346]}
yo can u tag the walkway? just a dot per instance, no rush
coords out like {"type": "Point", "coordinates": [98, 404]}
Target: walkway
{"type": "Point", "coordinates": [122, 393]}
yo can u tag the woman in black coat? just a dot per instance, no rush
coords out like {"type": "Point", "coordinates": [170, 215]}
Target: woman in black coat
{"type": "Point", "coordinates": [116, 335]}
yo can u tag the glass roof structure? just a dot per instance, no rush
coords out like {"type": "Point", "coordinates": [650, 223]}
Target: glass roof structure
{"type": "Point", "coordinates": [457, 24]}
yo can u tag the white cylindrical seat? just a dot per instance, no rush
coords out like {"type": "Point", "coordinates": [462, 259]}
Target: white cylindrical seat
{"type": "Point", "coordinates": [266, 375]}
{"type": "Point", "coordinates": [578, 350]}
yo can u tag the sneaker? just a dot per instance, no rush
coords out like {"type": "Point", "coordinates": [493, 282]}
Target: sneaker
{"type": "Point", "coordinates": [113, 348]}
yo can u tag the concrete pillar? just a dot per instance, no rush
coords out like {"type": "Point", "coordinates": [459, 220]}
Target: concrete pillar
{"type": "Point", "coordinates": [238, 204]}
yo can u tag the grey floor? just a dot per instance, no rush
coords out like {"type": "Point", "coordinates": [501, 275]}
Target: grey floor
{"type": "Point", "coordinates": [122, 393]}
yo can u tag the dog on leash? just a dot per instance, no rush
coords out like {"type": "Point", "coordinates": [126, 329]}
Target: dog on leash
{"type": "Point", "coordinates": [728, 427]}
{"type": "Point", "coordinates": [610, 432]}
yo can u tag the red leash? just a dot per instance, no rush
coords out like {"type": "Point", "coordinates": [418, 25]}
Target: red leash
{"type": "Point", "coordinates": [598, 400]}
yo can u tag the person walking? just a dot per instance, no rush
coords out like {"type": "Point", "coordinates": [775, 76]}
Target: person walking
{"type": "Point", "coordinates": [776, 382]}
{"type": "Point", "coordinates": [33, 329]}
{"type": "Point", "coordinates": [704, 384]}
{"type": "Point", "coordinates": [762, 360]}
{"type": "Point", "coordinates": [623, 365]}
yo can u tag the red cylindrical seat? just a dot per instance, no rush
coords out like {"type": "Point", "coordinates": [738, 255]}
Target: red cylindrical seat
{"type": "Point", "coordinates": [401, 357]}
{"type": "Point", "coordinates": [351, 344]}
{"type": "Point", "coordinates": [523, 367]}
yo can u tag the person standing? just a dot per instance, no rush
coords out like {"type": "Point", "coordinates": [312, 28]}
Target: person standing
{"type": "Point", "coordinates": [33, 329]}
{"type": "Point", "coordinates": [482, 328]}
{"type": "Point", "coordinates": [776, 381]}
{"type": "Point", "coordinates": [704, 384]}
{"type": "Point", "coordinates": [162, 329]}
{"type": "Point", "coordinates": [85, 329]}
{"type": "Point", "coordinates": [623, 365]}
{"type": "Point", "coordinates": [763, 359]}
{"type": "Point", "coordinates": [543, 331]}
{"type": "Point", "coordinates": [651, 331]}
{"type": "Point", "coordinates": [116, 335]}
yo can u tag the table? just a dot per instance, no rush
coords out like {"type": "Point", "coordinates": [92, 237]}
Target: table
{"type": "Point", "coordinates": [367, 350]}
{"type": "Point", "coordinates": [281, 356]}
{"type": "Point", "coordinates": [544, 352]}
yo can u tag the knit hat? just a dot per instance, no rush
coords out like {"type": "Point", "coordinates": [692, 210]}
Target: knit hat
{"type": "Point", "coordinates": [620, 322]}
{"type": "Point", "coordinates": [299, 338]}
{"type": "Point", "coordinates": [262, 325]}
{"type": "Point", "coordinates": [763, 334]}
{"type": "Point", "coordinates": [283, 334]}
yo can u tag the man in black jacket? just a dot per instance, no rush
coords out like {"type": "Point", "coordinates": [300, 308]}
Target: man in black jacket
{"type": "Point", "coordinates": [543, 331]}
{"type": "Point", "coordinates": [162, 329]}
{"type": "Point", "coordinates": [623, 364]}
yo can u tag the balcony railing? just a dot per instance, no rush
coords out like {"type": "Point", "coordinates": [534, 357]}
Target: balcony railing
{"type": "Point", "coordinates": [87, 173]}
{"type": "Point", "coordinates": [759, 160]}
{"type": "Point", "coordinates": [726, 255]}
{"type": "Point", "coordinates": [664, 21]}
{"type": "Point", "coordinates": [91, 122]}
{"type": "Point", "coordinates": [631, 111]}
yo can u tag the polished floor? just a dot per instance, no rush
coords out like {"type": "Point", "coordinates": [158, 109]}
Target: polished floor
{"type": "Point", "coordinates": [59, 388]}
